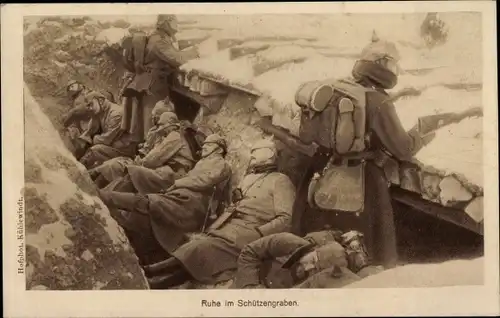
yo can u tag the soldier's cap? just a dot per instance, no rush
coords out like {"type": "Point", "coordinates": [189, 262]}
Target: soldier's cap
{"type": "Point", "coordinates": [93, 94]}
{"type": "Point", "coordinates": [71, 82]}
{"type": "Point", "coordinates": [162, 107]}
{"type": "Point", "coordinates": [216, 139]}
{"type": "Point", "coordinates": [329, 255]}
{"type": "Point", "coordinates": [264, 144]}
{"type": "Point", "coordinates": [169, 19]}
{"type": "Point", "coordinates": [168, 118]}
{"type": "Point", "coordinates": [315, 240]}
{"type": "Point", "coordinates": [379, 49]}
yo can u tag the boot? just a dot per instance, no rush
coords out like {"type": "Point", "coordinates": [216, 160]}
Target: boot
{"type": "Point", "coordinates": [125, 201]}
{"type": "Point", "coordinates": [101, 182]}
{"type": "Point", "coordinates": [169, 280]}
{"type": "Point", "coordinates": [165, 266]}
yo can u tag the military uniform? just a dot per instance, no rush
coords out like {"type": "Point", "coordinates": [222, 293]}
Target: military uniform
{"type": "Point", "coordinates": [264, 209]}
{"type": "Point", "coordinates": [389, 137]}
{"type": "Point", "coordinates": [105, 135]}
{"type": "Point", "coordinates": [148, 86]}
{"type": "Point", "coordinates": [78, 119]}
{"type": "Point", "coordinates": [171, 158]}
{"type": "Point", "coordinates": [166, 217]}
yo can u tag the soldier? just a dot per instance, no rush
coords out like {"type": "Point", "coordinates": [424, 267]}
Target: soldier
{"type": "Point", "coordinates": [301, 261]}
{"type": "Point", "coordinates": [170, 159]}
{"type": "Point", "coordinates": [155, 59]}
{"type": "Point", "coordinates": [262, 205]}
{"type": "Point", "coordinates": [330, 174]}
{"type": "Point", "coordinates": [76, 122]}
{"type": "Point", "coordinates": [115, 168]}
{"type": "Point", "coordinates": [104, 135]}
{"type": "Point", "coordinates": [181, 208]}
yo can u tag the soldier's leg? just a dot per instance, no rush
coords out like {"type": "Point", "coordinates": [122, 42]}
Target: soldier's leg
{"type": "Point", "coordinates": [127, 112]}
{"type": "Point", "coordinates": [137, 120]}
{"type": "Point", "coordinates": [150, 181]}
{"type": "Point", "coordinates": [98, 154]}
{"type": "Point", "coordinates": [138, 230]}
{"type": "Point", "coordinates": [126, 201]}
{"type": "Point", "coordinates": [148, 103]}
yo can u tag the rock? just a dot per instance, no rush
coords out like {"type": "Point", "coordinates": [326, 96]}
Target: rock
{"type": "Point", "coordinates": [475, 209]}
{"type": "Point", "coordinates": [452, 191]}
{"type": "Point", "coordinates": [66, 223]}
{"type": "Point", "coordinates": [62, 56]}
{"type": "Point", "coordinates": [410, 177]}
{"type": "Point", "coordinates": [430, 186]}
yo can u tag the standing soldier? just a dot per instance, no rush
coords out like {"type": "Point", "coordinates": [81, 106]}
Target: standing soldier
{"type": "Point", "coordinates": [150, 60]}
{"type": "Point", "coordinates": [355, 127]}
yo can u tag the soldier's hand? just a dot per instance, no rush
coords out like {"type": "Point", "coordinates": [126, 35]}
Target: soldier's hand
{"type": "Point", "coordinates": [169, 189]}
{"type": "Point", "coordinates": [138, 160]}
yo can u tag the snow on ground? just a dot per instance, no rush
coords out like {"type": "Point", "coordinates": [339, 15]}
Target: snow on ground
{"type": "Point", "coordinates": [457, 148]}
{"type": "Point", "coordinates": [449, 273]}
{"type": "Point", "coordinates": [439, 72]}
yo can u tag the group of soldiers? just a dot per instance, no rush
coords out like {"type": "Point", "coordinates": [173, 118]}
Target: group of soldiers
{"type": "Point", "coordinates": [174, 199]}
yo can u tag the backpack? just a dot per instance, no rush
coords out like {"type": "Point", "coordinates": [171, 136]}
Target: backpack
{"type": "Point", "coordinates": [134, 52]}
{"type": "Point", "coordinates": [333, 115]}
{"type": "Point", "coordinates": [194, 138]}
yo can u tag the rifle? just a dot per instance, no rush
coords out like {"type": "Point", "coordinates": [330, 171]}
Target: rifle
{"type": "Point", "coordinates": [287, 138]}
{"type": "Point", "coordinates": [431, 123]}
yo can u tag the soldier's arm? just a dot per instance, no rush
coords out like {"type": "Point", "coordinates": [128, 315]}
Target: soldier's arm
{"type": "Point", "coordinates": [267, 248]}
{"type": "Point", "coordinates": [204, 177]}
{"type": "Point", "coordinates": [397, 141]}
{"type": "Point", "coordinates": [166, 52]}
{"type": "Point", "coordinates": [113, 129]}
{"type": "Point", "coordinates": [163, 151]}
{"type": "Point", "coordinates": [283, 198]}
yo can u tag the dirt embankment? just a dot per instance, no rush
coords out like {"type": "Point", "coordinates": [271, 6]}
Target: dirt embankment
{"type": "Point", "coordinates": [71, 240]}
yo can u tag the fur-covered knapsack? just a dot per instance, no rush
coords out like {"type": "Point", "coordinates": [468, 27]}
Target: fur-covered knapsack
{"type": "Point", "coordinates": [134, 52]}
{"type": "Point", "coordinates": [333, 115]}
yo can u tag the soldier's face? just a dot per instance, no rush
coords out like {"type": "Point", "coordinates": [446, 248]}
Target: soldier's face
{"type": "Point", "coordinates": [306, 265]}
{"type": "Point", "coordinates": [73, 90]}
{"type": "Point", "coordinates": [261, 156]}
{"type": "Point", "coordinates": [391, 64]}
{"type": "Point", "coordinates": [208, 148]}
{"type": "Point", "coordinates": [94, 106]}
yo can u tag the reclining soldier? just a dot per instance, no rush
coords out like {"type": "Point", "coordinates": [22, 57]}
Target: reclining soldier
{"type": "Point", "coordinates": [164, 157]}
{"type": "Point", "coordinates": [320, 259]}
{"type": "Point", "coordinates": [104, 135]}
{"type": "Point", "coordinates": [76, 122]}
{"type": "Point", "coordinates": [262, 205]}
{"type": "Point", "coordinates": [162, 220]}
{"type": "Point", "coordinates": [169, 160]}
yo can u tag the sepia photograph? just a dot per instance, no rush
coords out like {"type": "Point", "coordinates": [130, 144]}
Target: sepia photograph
{"type": "Point", "coordinates": [271, 151]}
